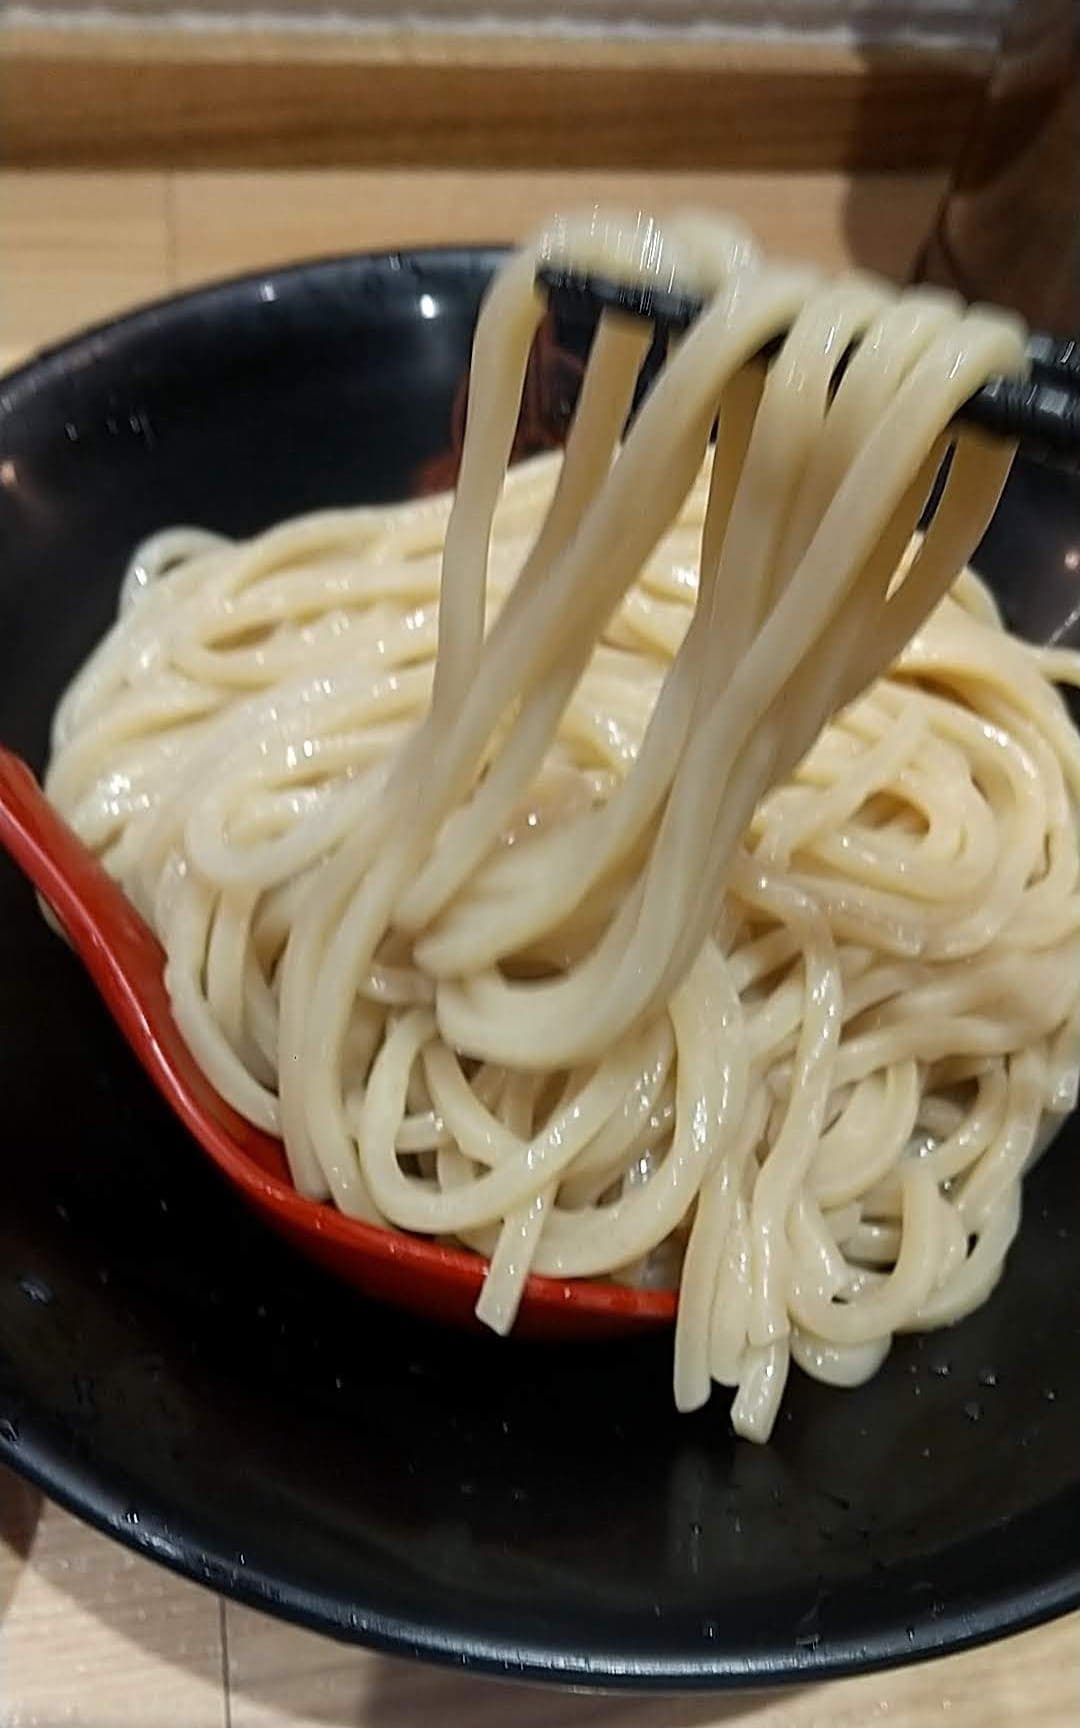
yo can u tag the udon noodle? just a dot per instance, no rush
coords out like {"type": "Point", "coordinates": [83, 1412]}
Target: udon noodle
{"type": "Point", "coordinates": [654, 863]}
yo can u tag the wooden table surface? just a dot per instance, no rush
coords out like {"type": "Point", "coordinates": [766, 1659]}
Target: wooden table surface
{"type": "Point", "coordinates": [89, 1634]}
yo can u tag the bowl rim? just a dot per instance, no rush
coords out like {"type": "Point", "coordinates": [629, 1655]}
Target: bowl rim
{"type": "Point", "coordinates": [143, 316]}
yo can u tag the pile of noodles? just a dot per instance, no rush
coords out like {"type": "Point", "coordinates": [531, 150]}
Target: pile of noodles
{"type": "Point", "coordinates": [656, 863]}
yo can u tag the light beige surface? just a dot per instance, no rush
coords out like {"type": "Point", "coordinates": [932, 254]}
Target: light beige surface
{"type": "Point", "coordinates": [220, 221]}
{"type": "Point", "coordinates": [75, 247]}
{"type": "Point", "coordinates": [89, 1635]}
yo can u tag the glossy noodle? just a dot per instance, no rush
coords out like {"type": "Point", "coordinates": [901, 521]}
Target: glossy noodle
{"type": "Point", "coordinates": [653, 863]}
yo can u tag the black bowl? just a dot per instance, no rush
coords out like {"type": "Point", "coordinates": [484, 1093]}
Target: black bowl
{"type": "Point", "coordinates": [171, 1372]}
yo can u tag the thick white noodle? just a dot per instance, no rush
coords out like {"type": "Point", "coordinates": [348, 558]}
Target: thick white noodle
{"type": "Point", "coordinates": [640, 865]}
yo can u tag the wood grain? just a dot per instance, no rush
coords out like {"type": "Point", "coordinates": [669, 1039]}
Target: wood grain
{"type": "Point", "coordinates": [226, 222]}
{"type": "Point", "coordinates": [75, 248]}
{"type": "Point", "coordinates": [95, 1637]}
{"type": "Point", "coordinates": [169, 97]}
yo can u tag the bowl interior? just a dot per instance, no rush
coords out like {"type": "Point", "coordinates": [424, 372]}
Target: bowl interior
{"type": "Point", "coordinates": [180, 1376]}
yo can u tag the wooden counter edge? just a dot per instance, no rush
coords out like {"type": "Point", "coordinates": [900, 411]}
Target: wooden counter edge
{"type": "Point", "coordinates": [165, 97]}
